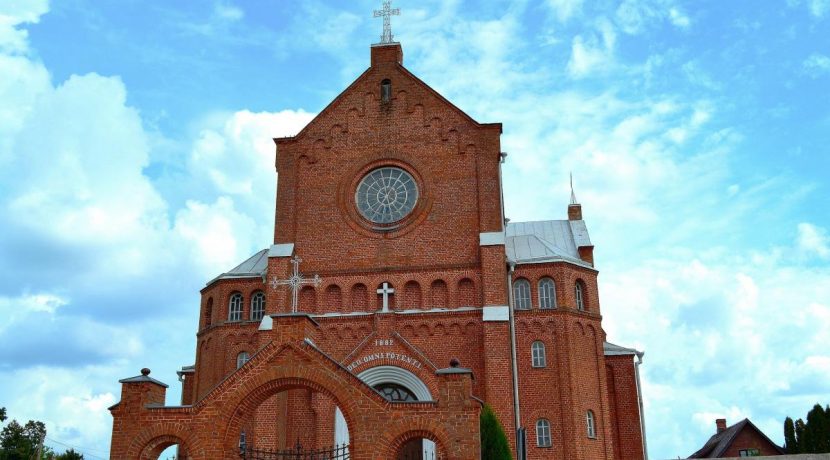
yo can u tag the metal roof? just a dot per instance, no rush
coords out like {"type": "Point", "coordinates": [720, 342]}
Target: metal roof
{"type": "Point", "coordinates": [253, 267]}
{"type": "Point", "coordinates": [611, 349]}
{"type": "Point", "coordinates": [546, 241]}
{"type": "Point", "coordinates": [525, 243]}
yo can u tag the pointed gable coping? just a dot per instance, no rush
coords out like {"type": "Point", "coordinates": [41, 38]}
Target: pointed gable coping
{"type": "Point", "coordinates": [328, 108]}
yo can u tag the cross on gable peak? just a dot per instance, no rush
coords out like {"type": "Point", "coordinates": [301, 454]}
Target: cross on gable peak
{"type": "Point", "coordinates": [387, 12]}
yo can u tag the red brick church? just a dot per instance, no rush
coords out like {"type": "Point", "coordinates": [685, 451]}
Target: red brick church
{"type": "Point", "coordinates": [394, 302]}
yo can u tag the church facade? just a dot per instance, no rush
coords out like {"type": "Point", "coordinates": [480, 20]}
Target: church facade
{"type": "Point", "coordinates": [394, 302]}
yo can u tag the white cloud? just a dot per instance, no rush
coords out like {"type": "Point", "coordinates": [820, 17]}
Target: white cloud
{"type": "Point", "coordinates": [593, 54]}
{"type": "Point", "coordinates": [13, 14]}
{"type": "Point", "coordinates": [220, 236]}
{"type": "Point", "coordinates": [228, 11]}
{"type": "Point", "coordinates": [565, 9]}
{"type": "Point", "coordinates": [813, 240]}
{"type": "Point", "coordinates": [678, 18]}
{"type": "Point", "coordinates": [816, 65]}
{"type": "Point", "coordinates": [819, 8]}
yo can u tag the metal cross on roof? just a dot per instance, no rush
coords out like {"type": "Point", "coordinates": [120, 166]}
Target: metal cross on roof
{"type": "Point", "coordinates": [294, 282]}
{"type": "Point", "coordinates": [387, 12]}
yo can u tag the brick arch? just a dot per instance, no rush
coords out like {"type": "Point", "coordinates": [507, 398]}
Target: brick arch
{"type": "Point", "coordinates": [151, 442]}
{"type": "Point", "coordinates": [359, 298]}
{"type": "Point", "coordinates": [467, 293]}
{"type": "Point", "coordinates": [247, 405]}
{"type": "Point", "coordinates": [308, 299]}
{"type": "Point", "coordinates": [438, 294]}
{"type": "Point", "coordinates": [334, 298]}
{"type": "Point", "coordinates": [412, 296]}
{"type": "Point", "coordinates": [406, 435]}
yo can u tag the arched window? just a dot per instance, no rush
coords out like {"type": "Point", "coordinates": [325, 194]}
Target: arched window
{"type": "Point", "coordinates": [241, 359]}
{"type": "Point", "coordinates": [386, 90]}
{"type": "Point", "coordinates": [547, 294]}
{"type": "Point", "coordinates": [537, 352]}
{"type": "Point", "coordinates": [589, 420]}
{"type": "Point", "coordinates": [579, 294]}
{"type": "Point", "coordinates": [209, 312]}
{"type": "Point", "coordinates": [395, 393]}
{"type": "Point", "coordinates": [543, 433]}
{"type": "Point", "coordinates": [257, 306]}
{"type": "Point", "coordinates": [235, 307]}
{"type": "Point", "coordinates": [521, 294]}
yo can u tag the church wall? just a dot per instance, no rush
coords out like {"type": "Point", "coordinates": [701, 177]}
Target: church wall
{"type": "Point", "coordinates": [625, 413]}
{"type": "Point", "coordinates": [454, 159]}
{"type": "Point", "coordinates": [434, 260]}
{"type": "Point", "coordinates": [564, 276]}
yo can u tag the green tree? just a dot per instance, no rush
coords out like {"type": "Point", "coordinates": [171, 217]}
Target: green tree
{"type": "Point", "coordinates": [2, 414]}
{"type": "Point", "coordinates": [69, 455]}
{"type": "Point", "coordinates": [790, 443]}
{"type": "Point", "coordinates": [494, 445]}
{"type": "Point", "coordinates": [21, 442]}
{"type": "Point", "coordinates": [816, 430]}
{"type": "Point", "coordinates": [799, 436]}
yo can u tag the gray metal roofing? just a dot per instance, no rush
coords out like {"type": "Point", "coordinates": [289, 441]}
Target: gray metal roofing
{"type": "Point", "coordinates": [525, 242]}
{"type": "Point", "coordinates": [546, 241]}
{"type": "Point", "coordinates": [611, 349]}
{"type": "Point", "coordinates": [253, 267]}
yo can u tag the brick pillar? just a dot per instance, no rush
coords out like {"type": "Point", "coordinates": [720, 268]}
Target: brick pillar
{"type": "Point", "coordinates": [288, 328]}
{"type": "Point", "coordinates": [498, 386]}
{"type": "Point", "coordinates": [455, 391]}
{"type": "Point", "coordinates": [136, 394]}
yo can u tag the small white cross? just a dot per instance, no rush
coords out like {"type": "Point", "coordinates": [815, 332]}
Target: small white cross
{"type": "Point", "coordinates": [295, 282]}
{"type": "Point", "coordinates": [385, 290]}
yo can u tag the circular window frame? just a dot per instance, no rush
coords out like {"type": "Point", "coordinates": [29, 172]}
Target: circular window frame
{"type": "Point", "coordinates": [404, 184]}
{"type": "Point", "coordinates": [348, 205]}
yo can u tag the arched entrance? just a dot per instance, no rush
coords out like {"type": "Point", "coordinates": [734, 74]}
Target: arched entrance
{"type": "Point", "coordinates": [281, 416]}
{"type": "Point", "coordinates": [396, 385]}
{"type": "Point", "coordinates": [163, 448]}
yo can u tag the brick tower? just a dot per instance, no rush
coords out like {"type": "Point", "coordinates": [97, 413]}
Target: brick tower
{"type": "Point", "coordinates": [394, 301]}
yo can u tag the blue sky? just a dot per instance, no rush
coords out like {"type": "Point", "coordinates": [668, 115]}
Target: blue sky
{"type": "Point", "coordinates": [136, 164]}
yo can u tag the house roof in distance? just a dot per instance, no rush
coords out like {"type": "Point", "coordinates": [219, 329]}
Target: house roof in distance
{"type": "Point", "coordinates": [718, 444]}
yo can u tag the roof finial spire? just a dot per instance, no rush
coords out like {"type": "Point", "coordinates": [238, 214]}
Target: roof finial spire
{"type": "Point", "coordinates": [387, 12]}
{"type": "Point", "coordinates": [573, 195]}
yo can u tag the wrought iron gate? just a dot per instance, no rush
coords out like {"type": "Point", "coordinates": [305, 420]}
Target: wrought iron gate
{"type": "Point", "coordinates": [247, 452]}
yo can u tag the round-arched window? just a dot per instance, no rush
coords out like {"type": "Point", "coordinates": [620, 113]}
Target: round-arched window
{"type": "Point", "coordinates": [386, 195]}
{"type": "Point", "coordinates": [547, 294]}
{"type": "Point", "coordinates": [395, 393]}
{"type": "Point", "coordinates": [521, 294]}
{"type": "Point", "coordinates": [257, 306]}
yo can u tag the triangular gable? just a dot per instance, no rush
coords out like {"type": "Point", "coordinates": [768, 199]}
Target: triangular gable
{"type": "Point", "coordinates": [328, 109]}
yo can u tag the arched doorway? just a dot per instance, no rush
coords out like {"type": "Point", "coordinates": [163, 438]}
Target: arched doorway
{"type": "Point", "coordinates": [166, 447]}
{"type": "Point", "coordinates": [397, 385]}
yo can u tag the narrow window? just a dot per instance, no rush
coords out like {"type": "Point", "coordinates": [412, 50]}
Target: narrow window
{"type": "Point", "coordinates": [241, 359]}
{"type": "Point", "coordinates": [543, 433]}
{"type": "Point", "coordinates": [209, 312]}
{"type": "Point", "coordinates": [537, 352]}
{"type": "Point", "coordinates": [386, 91]}
{"type": "Point", "coordinates": [591, 426]}
{"type": "Point", "coordinates": [579, 293]}
{"type": "Point", "coordinates": [521, 294]}
{"type": "Point", "coordinates": [257, 306]}
{"type": "Point", "coordinates": [235, 307]}
{"type": "Point", "coordinates": [547, 294]}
